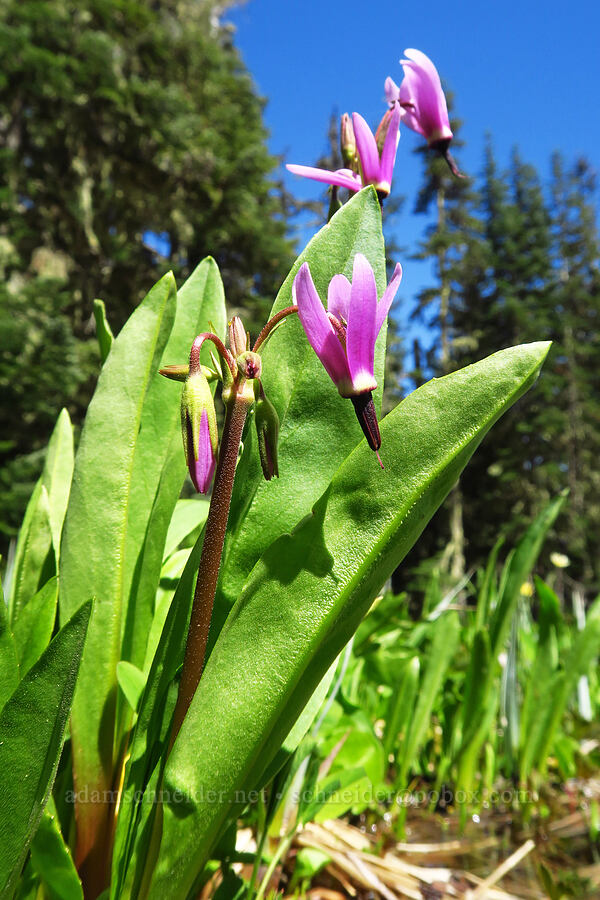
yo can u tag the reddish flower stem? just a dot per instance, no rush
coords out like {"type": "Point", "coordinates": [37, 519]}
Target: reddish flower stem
{"type": "Point", "coordinates": [271, 324]}
{"type": "Point", "coordinates": [210, 559]}
{"type": "Point", "coordinates": [223, 352]}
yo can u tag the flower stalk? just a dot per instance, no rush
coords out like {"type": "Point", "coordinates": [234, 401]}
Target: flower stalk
{"type": "Point", "coordinates": [210, 559]}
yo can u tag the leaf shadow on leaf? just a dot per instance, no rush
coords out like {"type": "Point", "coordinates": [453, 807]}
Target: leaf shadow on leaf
{"type": "Point", "coordinates": [305, 548]}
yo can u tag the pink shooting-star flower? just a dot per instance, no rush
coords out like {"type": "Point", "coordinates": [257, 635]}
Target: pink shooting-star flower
{"type": "Point", "coordinates": [344, 337]}
{"type": "Point", "coordinates": [423, 102]}
{"type": "Point", "coordinates": [374, 168]}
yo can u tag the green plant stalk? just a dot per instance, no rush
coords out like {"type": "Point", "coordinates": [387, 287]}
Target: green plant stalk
{"type": "Point", "coordinates": [212, 551]}
{"type": "Point", "coordinates": [282, 850]}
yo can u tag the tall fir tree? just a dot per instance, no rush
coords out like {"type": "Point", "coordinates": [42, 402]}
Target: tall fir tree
{"type": "Point", "coordinates": [451, 202]}
{"type": "Point", "coordinates": [509, 478]}
{"type": "Point", "coordinates": [575, 409]}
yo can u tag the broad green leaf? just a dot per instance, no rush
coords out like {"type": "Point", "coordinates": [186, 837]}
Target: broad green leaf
{"type": "Point", "coordinates": [188, 515]}
{"type": "Point", "coordinates": [317, 429]}
{"type": "Point", "coordinates": [95, 540]}
{"type": "Point", "coordinates": [103, 329]}
{"type": "Point", "coordinates": [33, 547]}
{"type": "Point", "coordinates": [131, 681]}
{"type": "Point", "coordinates": [52, 861]}
{"type": "Point", "coordinates": [307, 595]}
{"type": "Point", "coordinates": [32, 727]}
{"type": "Point", "coordinates": [9, 664]}
{"type": "Point", "coordinates": [33, 629]}
{"type": "Point", "coordinates": [159, 465]}
{"type": "Point", "coordinates": [57, 476]}
{"type": "Point", "coordinates": [519, 569]}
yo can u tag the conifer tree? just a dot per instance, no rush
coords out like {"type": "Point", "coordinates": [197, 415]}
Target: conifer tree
{"type": "Point", "coordinates": [576, 402]}
{"type": "Point", "coordinates": [451, 201]}
{"type": "Point", "coordinates": [509, 481]}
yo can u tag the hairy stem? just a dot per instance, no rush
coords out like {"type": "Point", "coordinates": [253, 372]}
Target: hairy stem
{"type": "Point", "coordinates": [210, 560]}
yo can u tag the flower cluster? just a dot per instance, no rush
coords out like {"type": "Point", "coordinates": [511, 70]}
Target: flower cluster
{"type": "Point", "coordinates": [419, 103]}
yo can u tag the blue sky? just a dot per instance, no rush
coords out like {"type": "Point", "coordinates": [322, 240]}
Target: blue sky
{"type": "Point", "coordinates": [528, 73]}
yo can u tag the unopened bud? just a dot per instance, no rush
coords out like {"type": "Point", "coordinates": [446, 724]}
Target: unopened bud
{"type": "Point", "coordinates": [267, 429]}
{"type": "Point", "coordinates": [382, 130]}
{"type": "Point", "coordinates": [348, 143]}
{"type": "Point", "coordinates": [249, 364]}
{"type": "Point", "coordinates": [199, 427]}
{"type": "Point", "coordinates": [237, 337]}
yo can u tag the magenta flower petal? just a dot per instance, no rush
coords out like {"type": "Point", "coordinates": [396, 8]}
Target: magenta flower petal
{"type": "Point", "coordinates": [338, 297]}
{"type": "Point", "coordinates": [319, 330]}
{"type": "Point", "coordinates": [390, 145]}
{"type": "Point", "coordinates": [361, 334]}
{"type": "Point", "coordinates": [342, 177]}
{"type": "Point", "coordinates": [367, 149]}
{"type": "Point", "coordinates": [383, 307]}
{"type": "Point", "coordinates": [202, 461]}
{"type": "Point", "coordinates": [423, 99]}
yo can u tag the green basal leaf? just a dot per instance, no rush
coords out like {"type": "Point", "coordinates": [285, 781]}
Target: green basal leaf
{"type": "Point", "coordinates": [307, 595]}
{"type": "Point", "coordinates": [95, 541]}
{"type": "Point", "coordinates": [33, 629]}
{"type": "Point", "coordinates": [33, 548]}
{"type": "Point", "coordinates": [9, 664]}
{"type": "Point", "coordinates": [118, 552]}
{"type": "Point", "coordinates": [57, 476]}
{"type": "Point", "coordinates": [132, 682]}
{"type": "Point", "coordinates": [32, 727]}
{"type": "Point", "coordinates": [188, 516]}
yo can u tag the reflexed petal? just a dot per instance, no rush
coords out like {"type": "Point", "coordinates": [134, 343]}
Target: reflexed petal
{"type": "Point", "coordinates": [383, 307]}
{"type": "Point", "coordinates": [202, 462]}
{"type": "Point", "coordinates": [338, 297]}
{"type": "Point", "coordinates": [422, 87]}
{"type": "Point", "coordinates": [361, 333]}
{"type": "Point", "coordinates": [392, 91]}
{"type": "Point", "coordinates": [319, 329]}
{"type": "Point", "coordinates": [390, 145]}
{"type": "Point", "coordinates": [342, 177]}
{"type": "Point", "coordinates": [409, 97]}
{"type": "Point", "coordinates": [367, 149]}
{"type": "Point", "coordinates": [425, 64]}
